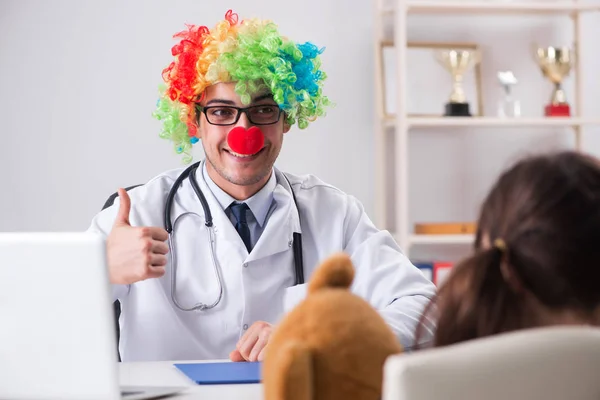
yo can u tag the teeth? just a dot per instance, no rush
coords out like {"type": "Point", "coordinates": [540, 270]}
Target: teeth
{"type": "Point", "coordinates": [240, 155]}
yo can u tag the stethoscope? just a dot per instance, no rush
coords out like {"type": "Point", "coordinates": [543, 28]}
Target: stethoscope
{"type": "Point", "coordinates": [170, 228]}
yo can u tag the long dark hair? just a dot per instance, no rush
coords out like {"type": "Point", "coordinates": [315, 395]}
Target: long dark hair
{"type": "Point", "coordinates": [538, 237]}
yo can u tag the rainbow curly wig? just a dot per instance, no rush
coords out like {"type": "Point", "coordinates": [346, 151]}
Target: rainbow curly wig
{"type": "Point", "coordinates": [251, 53]}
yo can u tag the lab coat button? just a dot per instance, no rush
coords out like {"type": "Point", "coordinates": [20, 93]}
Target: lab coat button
{"type": "Point", "coordinates": [245, 265]}
{"type": "Point", "coordinates": [245, 326]}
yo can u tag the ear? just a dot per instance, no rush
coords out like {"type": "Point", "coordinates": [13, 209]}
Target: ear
{"type": "Point", "coordinates": [200, 124]}
{"type": "Point", "coordinates": [198, 116]}
{"type": "Point", "coordinates": [336, 271]}
{"type": "Point", "coordinates": [286, 127]}
{"type": "Point", "coordinates": [288, 373]}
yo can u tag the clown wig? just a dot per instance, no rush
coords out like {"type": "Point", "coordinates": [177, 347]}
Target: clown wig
{"type": "Point", "coordinates": [250, 53]}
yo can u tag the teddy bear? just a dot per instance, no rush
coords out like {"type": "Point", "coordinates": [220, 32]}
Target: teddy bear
{"type": "Point", "coordinates": [332, 345]}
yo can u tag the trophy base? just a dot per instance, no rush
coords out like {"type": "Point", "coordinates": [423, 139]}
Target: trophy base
{"type": "Point", "coordinates": [558, 110]}
{"type": "Point", "coordinates": [457, 110]}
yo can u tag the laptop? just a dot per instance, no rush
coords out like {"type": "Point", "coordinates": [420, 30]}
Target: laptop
{"type": "Point", "coordinates": [57, 328]}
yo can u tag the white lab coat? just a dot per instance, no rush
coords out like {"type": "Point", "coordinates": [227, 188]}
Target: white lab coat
{"type": "Point", "coordinates": [256, 286]}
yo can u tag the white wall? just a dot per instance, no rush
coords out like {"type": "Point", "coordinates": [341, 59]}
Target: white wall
{"type": "Point", "coordinates": [78, 84]}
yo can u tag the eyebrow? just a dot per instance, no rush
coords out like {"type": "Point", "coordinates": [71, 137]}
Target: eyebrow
{"type": "Point", "coordinates": [263, 97]}
{"type": "Point", "coordinates": [232, 103]}
{"type": "Point", "coordinates": [220, 101]}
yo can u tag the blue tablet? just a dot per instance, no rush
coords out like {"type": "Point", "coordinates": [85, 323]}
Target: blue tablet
{"type": "Point", "coordinates": [222, 373]}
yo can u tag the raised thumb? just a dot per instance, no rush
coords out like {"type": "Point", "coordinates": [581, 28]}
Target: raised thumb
{"type": "Point", "coordinates": [124, 208]}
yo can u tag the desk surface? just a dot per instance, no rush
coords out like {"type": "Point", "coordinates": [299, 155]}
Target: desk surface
{"type": "Point", "coordinates": [163, 373]}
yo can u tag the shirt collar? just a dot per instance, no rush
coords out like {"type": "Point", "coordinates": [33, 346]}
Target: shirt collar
{"type": "Point", "coordinates": [259, 203]}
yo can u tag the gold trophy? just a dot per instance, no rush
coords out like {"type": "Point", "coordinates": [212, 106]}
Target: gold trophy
{"type": "Point", "coordinates": [556, 63]}
{"type": "Point", "coordinates": [458, 62]}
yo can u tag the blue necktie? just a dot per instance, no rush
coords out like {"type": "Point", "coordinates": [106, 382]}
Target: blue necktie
{"type": "Point", "coordinates": [239, 212]}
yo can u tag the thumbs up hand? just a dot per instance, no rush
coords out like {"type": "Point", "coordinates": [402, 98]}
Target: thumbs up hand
{"type": "Point", "coordinates": [134, 253]}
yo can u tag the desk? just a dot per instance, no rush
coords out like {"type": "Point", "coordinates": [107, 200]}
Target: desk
{"type": "Point", "coordinates": [163, 373]}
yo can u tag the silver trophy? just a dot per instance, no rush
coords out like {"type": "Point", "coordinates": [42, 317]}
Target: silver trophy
{"type": "Point", "coordinates": [508, 106]}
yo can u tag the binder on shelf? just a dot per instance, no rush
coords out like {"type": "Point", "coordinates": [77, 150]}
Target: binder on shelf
{"type": "Point", "coordinates": [426, 268]}
{"type": "Point", "coordinates": [441, 270]}
{"type": "Point", "coordinates": [453, 228]}
{"type": "Point", "coordinates": [435, 271]}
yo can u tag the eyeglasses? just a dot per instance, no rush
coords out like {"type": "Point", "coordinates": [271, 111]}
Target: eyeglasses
{"type": "Point", "coordinates": [263, 114]}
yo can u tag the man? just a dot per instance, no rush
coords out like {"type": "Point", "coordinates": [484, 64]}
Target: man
{"type": "Point", "coordinates": [233, 264]}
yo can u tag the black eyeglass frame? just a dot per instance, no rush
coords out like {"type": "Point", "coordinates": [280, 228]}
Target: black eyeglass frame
{"type": "Point", "coordinates": [239, 110]}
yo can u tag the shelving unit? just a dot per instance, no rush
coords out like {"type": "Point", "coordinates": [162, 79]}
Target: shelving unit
{"type": "Point", "coordinates": [440, 239]}
{"type": "Point", "coordinates": [403, 124]}
{"type": "Point", "coordinates": [493, 7]}
{"type": "Point", "coordinates": [491, 122]}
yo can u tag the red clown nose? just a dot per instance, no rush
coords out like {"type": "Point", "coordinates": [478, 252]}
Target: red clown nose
{"type": "Point", "coordinates": [246, 142]}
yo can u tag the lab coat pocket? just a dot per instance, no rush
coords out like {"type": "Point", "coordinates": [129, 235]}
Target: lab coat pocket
{"type": "Point", "coordinates": [293, 296]}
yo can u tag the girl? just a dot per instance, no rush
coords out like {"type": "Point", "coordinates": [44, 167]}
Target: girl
{"type": "Point", "coordinates": [537, 254]}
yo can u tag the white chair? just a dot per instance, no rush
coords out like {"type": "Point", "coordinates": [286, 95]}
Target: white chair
{"type": "Point", "coordinates": [553, 363]}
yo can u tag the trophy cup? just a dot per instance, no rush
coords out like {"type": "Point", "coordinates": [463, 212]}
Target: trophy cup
{"type": "Point", "coordinates": [556, 63]}
{"type": "Point", "coordinates": [458, 62]}
{"type": "Point", "coordinates": [508, 107]}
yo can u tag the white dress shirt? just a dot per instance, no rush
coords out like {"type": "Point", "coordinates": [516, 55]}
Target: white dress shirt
{"type": "Point", "coordinates": [261, 204]}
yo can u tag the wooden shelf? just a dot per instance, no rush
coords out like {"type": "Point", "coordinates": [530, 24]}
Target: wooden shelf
{"type": "Point", "coordinates": [495, 7]}
{"type": "Point", "coordinates": [441, 239]}
{"type": "Point", "coordinates": [490, 122]}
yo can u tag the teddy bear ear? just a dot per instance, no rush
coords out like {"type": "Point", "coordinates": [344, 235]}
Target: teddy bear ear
{"type": "Point", "coordinates": [336, 271]}
{"type": "Point", "coordinates": [288, 373]}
